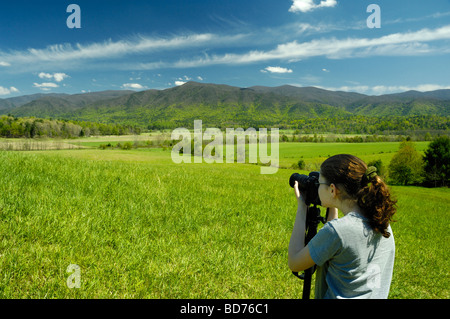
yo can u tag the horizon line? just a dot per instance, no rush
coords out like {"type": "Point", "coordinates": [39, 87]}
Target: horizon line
{"type": "Point", "coordinates": [249, 87]}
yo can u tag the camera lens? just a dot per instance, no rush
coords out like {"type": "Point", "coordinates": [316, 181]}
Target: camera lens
{"type": "Point", "coordinates": [308, 186]}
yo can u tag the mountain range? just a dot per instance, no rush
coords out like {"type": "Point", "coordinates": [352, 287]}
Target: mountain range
{"type": "Point", "coordinates": [223, 104]}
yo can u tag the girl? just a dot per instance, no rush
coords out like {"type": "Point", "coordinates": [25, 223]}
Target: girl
{"type": "Point", "coordinates": [354, 254]}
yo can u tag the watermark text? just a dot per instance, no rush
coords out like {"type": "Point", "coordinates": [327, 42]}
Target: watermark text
{"type": "Point", "coordinates": [213, 152]}
{"type": "Point", "coordinates": [74, 280]}
{"type": "Point", "coordinates": [374, 20]}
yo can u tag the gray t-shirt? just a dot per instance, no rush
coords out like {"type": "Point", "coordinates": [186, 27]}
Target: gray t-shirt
{"type": "Point", "coordinates": [353, 260]}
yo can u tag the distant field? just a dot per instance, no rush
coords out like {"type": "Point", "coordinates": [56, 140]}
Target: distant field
{"type": "Point", "coordinates": [316, 153]}
{"type": "Point", "coordinates": [290, 153]}
{"type": "Point", "coordinates": [140, 226]}
{"type": "Point", "coordinates": [37, 144]}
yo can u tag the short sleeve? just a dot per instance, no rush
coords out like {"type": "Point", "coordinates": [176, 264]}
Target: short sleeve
{"type": "Point", "coordinates": [324, 245]}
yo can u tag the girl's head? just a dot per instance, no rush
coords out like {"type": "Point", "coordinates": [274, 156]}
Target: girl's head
{"type": "Point", "coordinates": [352, 181]}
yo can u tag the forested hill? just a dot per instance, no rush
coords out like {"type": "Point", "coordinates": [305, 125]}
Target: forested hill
{"type": "Point", "coordinates": [223, 106]}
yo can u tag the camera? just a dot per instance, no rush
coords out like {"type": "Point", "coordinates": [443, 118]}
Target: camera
{"type": "Point", "coordinates": [308, 185]}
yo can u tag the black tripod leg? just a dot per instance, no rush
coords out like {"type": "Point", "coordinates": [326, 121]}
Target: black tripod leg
{"type": "Point", "coordinates": [307, 284]}
{"type": "Point", "coordinates": [312, 220]}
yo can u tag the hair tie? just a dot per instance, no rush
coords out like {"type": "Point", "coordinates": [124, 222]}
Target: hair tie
{"type": "Point", "coordinates": [370, 173]}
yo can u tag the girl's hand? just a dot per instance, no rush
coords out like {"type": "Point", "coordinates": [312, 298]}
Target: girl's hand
{"type": "Point", "coordinates": [298, 195]}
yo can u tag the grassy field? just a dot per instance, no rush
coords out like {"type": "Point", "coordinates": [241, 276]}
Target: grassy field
{"type": "Point", "coordinates": [140, 226]}
{"type": "Point", "coordinates": [315, 153]}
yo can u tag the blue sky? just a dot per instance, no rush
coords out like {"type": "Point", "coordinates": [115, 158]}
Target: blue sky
{"type": "Point", "coordinates": [140, 45]}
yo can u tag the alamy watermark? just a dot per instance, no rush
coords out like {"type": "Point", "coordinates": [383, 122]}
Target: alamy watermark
{"type": "Point", "coordinates": [234, 139]}
{"type": "Point", "coordinates": [74, 280]}
{"type": "Point", "coordinates": [74, 20]}
{"type": "Point", "coordinates": [374, 20]}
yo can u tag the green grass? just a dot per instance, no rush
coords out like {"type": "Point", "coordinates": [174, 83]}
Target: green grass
{"type": "Point", "coordinates": [422, 243]}
{"type": "Point", "coordinates": [316, 153]}
{"type": "Point", "coordinates": [137, 229]}
{"type": "Point", "coordinates": [140, 226]}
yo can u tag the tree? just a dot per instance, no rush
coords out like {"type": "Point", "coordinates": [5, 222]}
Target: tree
{"type": "Point", "coordinates": [437, 162]}
{"type": "Point", "coordinates": [406, 166]}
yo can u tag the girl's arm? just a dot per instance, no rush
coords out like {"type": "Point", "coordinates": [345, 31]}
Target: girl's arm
{"type": "Point", "coordinates": [299, 258]}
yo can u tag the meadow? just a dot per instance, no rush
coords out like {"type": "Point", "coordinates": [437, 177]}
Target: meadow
{"type": "Point", "coordinates": [140, 226]}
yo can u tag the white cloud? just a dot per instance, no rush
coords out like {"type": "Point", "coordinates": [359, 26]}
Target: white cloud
{"type": "Point", "coordinates": [277, 69]}
{"type": "Point", "coordinates": [385, 89]}
{"type": "Point", "coordinates": [7, 91]}
{"type": "Point", "coordinates": [133, 86]}
{"type": "Point", "coordinates": [68, 55]}
{"type": "Point", "coordinates": [325, 70]}
{"type": "Point", "coordinates": [396, 44]}
{"type": "Point", "coordinates": [45, 86]}
{"type": "Point", "coordinates": [58, 77]}
{"type": "Point", "coordinates": [184, 79]}
{"type": "Point", "coordinates": [309, 5]}
{"type": "Point", "coordinates": [3, 63]}
{"type": "Point", "coordinates": [4, 91]}
{"type": "Point", "coordinates": [49, 85]}
{"type": "Point", "coordinates": [108, 54]}
{"type": "Point", "coordinates": [199, 78]}
{"type": "Point", "coordinates": [43, 75]}
{"type": "Point", "coordinates": [356, 88]}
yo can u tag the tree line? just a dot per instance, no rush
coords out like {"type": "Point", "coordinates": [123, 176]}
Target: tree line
{"type": "Point", "coordinates": [409, 167]}
{"type": "Point", "coordinates": [370, 129]}
{"type": "Point", "coordinates": [418, 127]}
{"type": "Point", "coordinates": [385, 125]}
{"type": "Point", "coordinates": [13, 127]}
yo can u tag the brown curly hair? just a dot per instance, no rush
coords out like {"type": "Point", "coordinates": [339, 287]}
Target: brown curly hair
{"type": "Point", "coordinates": [372, 195]}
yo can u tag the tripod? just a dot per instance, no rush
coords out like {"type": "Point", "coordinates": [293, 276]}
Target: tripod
{"type": "Point", "coordinates": [312, 221]}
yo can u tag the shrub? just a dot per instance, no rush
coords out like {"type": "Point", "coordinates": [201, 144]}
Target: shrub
{"type": "Point", "coordinates": [127, 146]}
{"type": "Point", "coordinates": [406, 166]}
{"type": "Point", "coordinates": [299, 165]}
